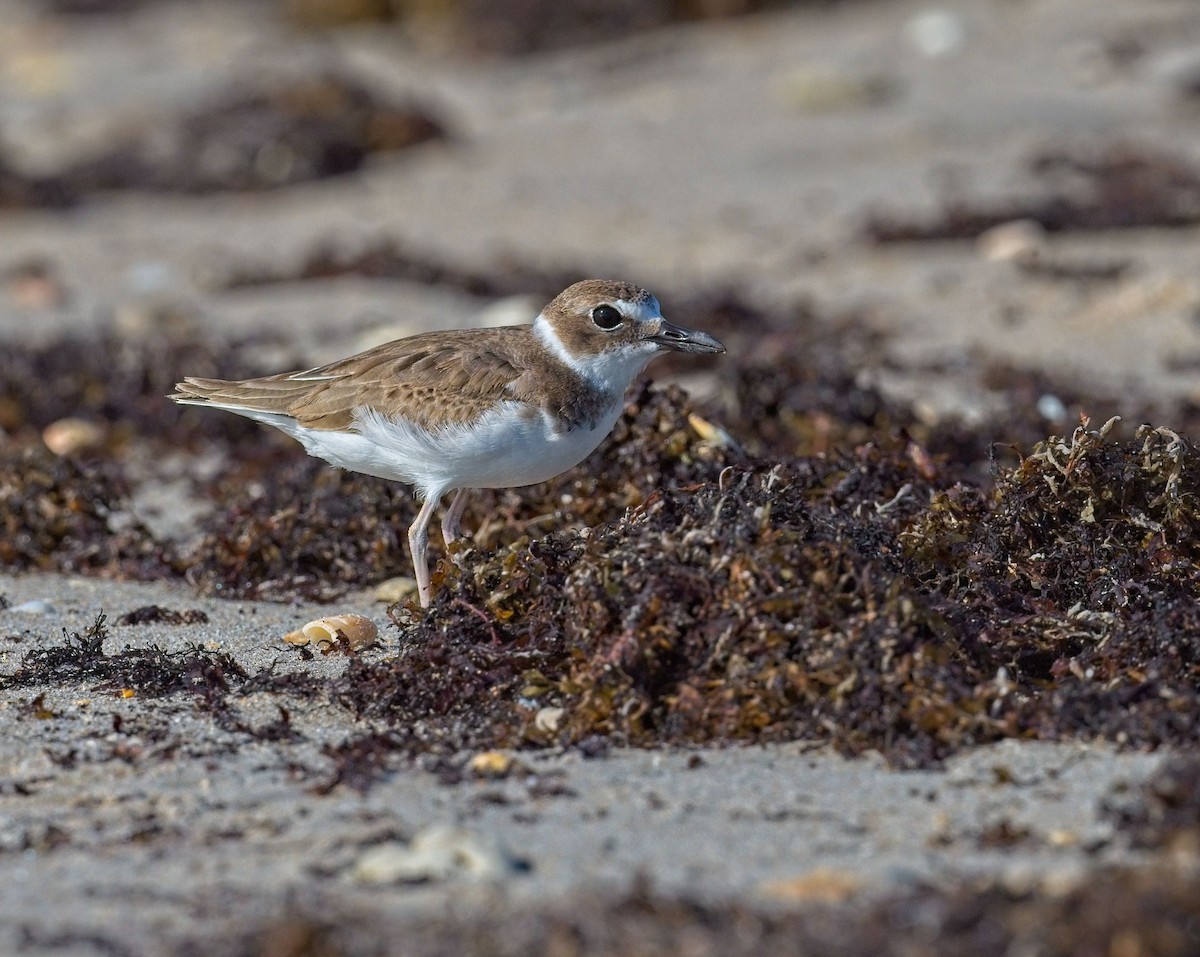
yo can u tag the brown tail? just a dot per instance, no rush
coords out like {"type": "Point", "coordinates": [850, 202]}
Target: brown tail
{"type": "Point", "coordinates": [273, 394]}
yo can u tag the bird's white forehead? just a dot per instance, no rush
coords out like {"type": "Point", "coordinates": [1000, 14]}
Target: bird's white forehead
{"type": "Point", "coordinates": [641, 309]}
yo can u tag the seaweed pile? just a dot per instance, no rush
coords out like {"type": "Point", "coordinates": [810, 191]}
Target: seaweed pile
{"type": "Point", "coordinates": [59, 515]}
{"type": "Point", "coordinates": [849, 599]}
{"type": "Point", "coordinates": [302, 531]}
{"type": "Point", "coordinates": [800, 558]}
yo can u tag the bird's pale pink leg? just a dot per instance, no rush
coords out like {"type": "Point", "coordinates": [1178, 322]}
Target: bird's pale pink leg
{"type": "Point", "coordinates": [418, 546]}
{"type": "Point", "coordinates": [452, 520]}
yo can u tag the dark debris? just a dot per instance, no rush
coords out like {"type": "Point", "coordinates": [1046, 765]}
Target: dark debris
{"type": "Point", "coordinates": [1152, 911]}
{"type": "Point", "coordinates": [1166, 813]}
{"type": "Point", "coordinates": [280, 135]}
{"type": "Point", "coordinates": [359, 762]}
{"type": "Point", "coordinates": [209, 677]}
{"type": "Point", "coordinates": [306, 531]}
{"type": "Point", "coordinates": [149, 671]}
{"type": "Point", "coordinates": [157, 615]}
{"type": "Point", "coordinates": [120, 380]}
{"type": "Point", "coordinates": [1123, 186]}
{"type": "Point", "coordinates": [21, 191]}
{"type": "Point", "coordinates": [517, 27]}
{"type": "Point", "coordinates": [387, 259]}
{"type": "Point", "coordinates": [59, 514]}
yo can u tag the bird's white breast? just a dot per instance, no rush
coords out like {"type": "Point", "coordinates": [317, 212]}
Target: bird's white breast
{"type": "Point", "coordinates": [507, 447]}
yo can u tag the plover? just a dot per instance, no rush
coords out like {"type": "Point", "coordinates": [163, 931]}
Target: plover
{"type": "Point", "coordinates": [471, 408]}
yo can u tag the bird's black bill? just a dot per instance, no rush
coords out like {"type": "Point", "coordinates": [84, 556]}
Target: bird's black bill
{"type": "Point", "coordinates": [684, 340]}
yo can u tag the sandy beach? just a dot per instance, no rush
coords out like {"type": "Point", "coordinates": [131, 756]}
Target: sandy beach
{"type": "Point", "coordinates": [931, 236]}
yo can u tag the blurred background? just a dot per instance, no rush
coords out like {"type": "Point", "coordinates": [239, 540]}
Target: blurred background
{"type": "Point", "coordinates": [324, 167]}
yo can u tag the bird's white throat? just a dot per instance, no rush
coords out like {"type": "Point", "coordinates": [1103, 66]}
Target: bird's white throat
{"type": "Point", "coordinates": [612, 370]}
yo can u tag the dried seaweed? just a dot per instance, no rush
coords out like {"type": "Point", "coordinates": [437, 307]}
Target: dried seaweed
{"type": "Point", "coordinates": [276, 136]}
{"type": "Point", "coordinates": [387, 259]}
{"type": "Point", "coordinates": [157, 615]}
{"type": "Point", "coordinates": [874, 580]}
{"type": "Point", "coordinates": [359, 762]}
{"type": "Point", "coordinates": [60, 514]}
{"type": "Point", "coordinates": [149, 671]}
{"type": "Point", "coordinates": [209, 677]}
{"type": "Point", "coordinates": [848, 599]}
{"type": "Point", "coordinates": [1077, 585]}
{"type": "Point", "coordinates": [1124, 186]}
{"type": "Point", "coordinates": [304, 530]}
{"type": "Point", "coordinates": [120, 380]}
{"type": "Point", "coordinates": [20, 191]}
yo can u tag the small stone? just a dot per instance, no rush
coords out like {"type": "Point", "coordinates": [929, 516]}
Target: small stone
{"type": "Point", "coordinates": [38, 606]}
{"type": "Point", "coordinates": [491, 764]}
{"type": "Point", "coordinates": [822, 885]}
{"type": "Point", "coordinates": [34, 285]}
{"type": "Point", "coordinates": [437, 854]}
{"type": "Point", "coordinates": [509, 311]}
{"type": "Point", "coordinates": [936, 32]}
{"type": "Point", "coordinates": [712, 434]}
{"type": "Point", "coordinates": [1062, 838]}
{"type": "Point", "coordinates": [71, 435]}
{"type": "Point", "coordinates": [1051, 408]}
{"type": "Point", "coordinates": [814, 90]}
{"type": "Point", "coordinates": [151, 277]}
{"type": "Point", "coordinates": [548, 719]}
{"type": "Point", "coordinates": [1020, 240]}
{"type": "Point", "coordinates": [156, 314]}
{"type": "Point", "coordinates": [395, 589]}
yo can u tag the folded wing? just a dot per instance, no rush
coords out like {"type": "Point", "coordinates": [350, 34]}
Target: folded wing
{"type": "Point", "coordinates": [430, 380]}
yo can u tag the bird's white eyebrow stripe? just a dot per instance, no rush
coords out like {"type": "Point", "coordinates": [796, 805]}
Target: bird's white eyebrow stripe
{"type": "Point", "coordinates": [641, 309]}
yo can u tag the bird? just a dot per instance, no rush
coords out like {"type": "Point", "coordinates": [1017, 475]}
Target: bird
{"type": "Point", "coordinates": [456, 410]}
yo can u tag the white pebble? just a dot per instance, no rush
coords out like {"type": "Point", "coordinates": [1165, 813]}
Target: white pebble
{"type": "Point", "coordinates": [38, 606]}
{"type": "Point", "coordinates": [1018, 240]}
{"type": "Point", "coordinates": [436, 854]}
{"type": "Point", "coordinates": [548, 719]}
{"type": "Point", "coordinates": [936, 32]}
{"type": "Point", "coordinates": [1051, 408]}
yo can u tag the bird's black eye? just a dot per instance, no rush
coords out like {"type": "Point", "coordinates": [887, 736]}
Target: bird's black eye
{"type": "Point", "coordinates": [607, 317]}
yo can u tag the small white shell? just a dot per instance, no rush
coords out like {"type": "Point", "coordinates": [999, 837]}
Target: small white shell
{"type": "Point", "coordinates": [71, 435]}
{"type": "Point", "coordinates": [357, 631]}
{"type": "Point", "coordinates": [1019, 240]}
{"type": "Point", "coordinates": [438, 853]}
{"type": "Point", "coordinates": [712, 434]}
{"type": "Point", "coordinates": [548, 719]}
{"type": "Point", "coordinates": [395, 589]}
{"type": "Point", "coordinates": [491, 764]}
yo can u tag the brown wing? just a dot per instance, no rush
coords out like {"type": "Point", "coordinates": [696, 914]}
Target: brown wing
{"type": "Point", "coordinates": [431, 379]}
